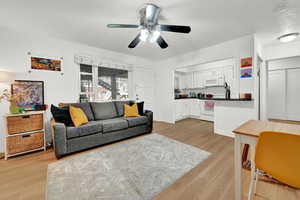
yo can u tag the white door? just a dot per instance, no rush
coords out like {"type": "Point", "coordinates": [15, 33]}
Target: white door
{"type": "Point", "coordinates": [293, 95]}
{"type": "Point", "coordinates": [143, 81]}
{"type": "Point", "coordinates": [276, 95]}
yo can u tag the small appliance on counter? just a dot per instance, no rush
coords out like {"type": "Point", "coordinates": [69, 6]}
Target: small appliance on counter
{"type": "Point", "coordinates": [193, 94]}
{"type": "Point", "coordinates": [247, 96]}
{"type": "Point", "coordinates": [183, 95]}
{"type": "Point", "coordinates": [201, 95]}
{"type": "Point", "coordinates": [227, 92]}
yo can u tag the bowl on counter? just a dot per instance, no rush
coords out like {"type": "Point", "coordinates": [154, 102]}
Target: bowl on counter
{"type": "Point", "coordinates": [209, 96]}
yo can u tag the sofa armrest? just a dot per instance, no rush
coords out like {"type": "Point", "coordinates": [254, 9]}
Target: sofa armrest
{"type": "Point", "coordinates": [59, 137]}
{"type": "Point", "coordinates": [149, 115]}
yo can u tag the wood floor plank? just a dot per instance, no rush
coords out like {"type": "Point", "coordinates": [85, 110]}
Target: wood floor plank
{"type": "Point", "coordinates": [24, 177]}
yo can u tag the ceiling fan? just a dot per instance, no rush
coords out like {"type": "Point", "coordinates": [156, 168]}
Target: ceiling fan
{"type": "Point", "coordinates": [150, 30]}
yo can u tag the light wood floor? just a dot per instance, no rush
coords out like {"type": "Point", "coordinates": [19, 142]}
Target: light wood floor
{"type": "Point", "coordinates": [24, 177]}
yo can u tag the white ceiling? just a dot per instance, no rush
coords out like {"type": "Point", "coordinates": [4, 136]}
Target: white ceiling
{"type": "Point", "coordinates": [211, 21]}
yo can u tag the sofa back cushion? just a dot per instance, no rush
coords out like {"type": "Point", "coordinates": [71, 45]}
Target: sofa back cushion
{"type": "Point", "coordinates": [104, 110]}
{"type": "Point", "coordinates": [86, 107]}
{"type": "Point", "coordinates": [120, 106]}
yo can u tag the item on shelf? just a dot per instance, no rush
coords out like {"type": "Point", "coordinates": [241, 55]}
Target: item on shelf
{"type": "Point", "coordinates": [14, 109]}
{"type": "Point", "coordinates": [227, 93]}
{"type": "Point", "coordinates": [183, 96]}
{"type": "Point", "coordinates": [201, 95]}
{"type": "Point", "coordinates": [40, 107]}
{"type": "Point", "coordinates": [245, 96]}
{"type": "Point", "coordinates": [209, 96]}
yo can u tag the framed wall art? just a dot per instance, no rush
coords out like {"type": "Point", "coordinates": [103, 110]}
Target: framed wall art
{"type": "Point", "coordinates": [45, 63]}
{"type": "Point", "coordinates": [30, 93]}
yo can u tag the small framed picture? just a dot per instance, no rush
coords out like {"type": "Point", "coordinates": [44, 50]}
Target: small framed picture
{"type": "Point", "coordinates": [44, 63]}
{"type": "Point", "coordinates": [29, 93]}
{"type": "Point", "coordinates": [246, 72]}
{"type": "Point", "coordinates": [246, 62]}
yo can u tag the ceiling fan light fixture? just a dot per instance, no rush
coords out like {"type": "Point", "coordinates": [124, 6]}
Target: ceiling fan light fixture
{"type": "Point", "coordinates": [144, 35]}
{"type": "Point", "coordinates": [288, 37]}
{"type": "Point", "coordinates": [154, 36]}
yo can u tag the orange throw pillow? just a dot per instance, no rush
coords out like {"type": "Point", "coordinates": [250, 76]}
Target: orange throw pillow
{"type": "Point", "coordinates": [131, 111]}
{"type": "Point", "coordinates": [78, 116]}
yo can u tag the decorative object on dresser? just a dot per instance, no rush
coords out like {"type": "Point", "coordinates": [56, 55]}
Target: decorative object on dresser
{"type": "Point", "coordinates": [24, 133]}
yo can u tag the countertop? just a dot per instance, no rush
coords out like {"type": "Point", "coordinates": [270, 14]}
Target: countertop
{"type": "Point", "coordinates": [216, 99]}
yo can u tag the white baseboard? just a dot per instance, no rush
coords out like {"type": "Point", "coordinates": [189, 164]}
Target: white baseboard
{"type": "Point", "coordinates": [224, 133]}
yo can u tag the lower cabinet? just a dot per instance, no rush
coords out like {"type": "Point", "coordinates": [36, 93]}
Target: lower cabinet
{"type": "Point", "coordinates": [195, 108]}
{"type": "Point", "coordinates": [185, 108]}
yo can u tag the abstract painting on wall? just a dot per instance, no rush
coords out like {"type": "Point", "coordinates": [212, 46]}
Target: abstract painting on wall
{"type": "Point", "coordinates": [31, 93]}
{"type": "Point", "coordinates": [39, 63]}
{"type": "Point", "coordinates": [246, 62]}
{"type": "Point", "coordinates": [246, 72]}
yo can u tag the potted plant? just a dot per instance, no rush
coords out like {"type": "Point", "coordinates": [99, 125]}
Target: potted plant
{"type": "Point", "coordinates": [12, 99]}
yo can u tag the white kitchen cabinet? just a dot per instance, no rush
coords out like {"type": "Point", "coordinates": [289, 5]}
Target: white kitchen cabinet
{"type": "Point", "coordinates": [198, 79]}
{"type": "Point", "coordinates": [195, 108]}
{"type": "Point", "coordinates": [182, 109]}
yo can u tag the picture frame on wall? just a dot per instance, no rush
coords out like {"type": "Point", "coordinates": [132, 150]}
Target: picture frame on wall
{"type": "Point", "coordinates": [30, 93]}
{"type": "Point", "coordinates": [246, 62]}
{"type": "Point", "coordinates": [44, 63]}
{"type": "Point", "coordinates": [246, 72]}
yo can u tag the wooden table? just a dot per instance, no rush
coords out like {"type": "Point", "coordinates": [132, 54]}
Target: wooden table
{"type": "Point", "coordinates": [248, 133]}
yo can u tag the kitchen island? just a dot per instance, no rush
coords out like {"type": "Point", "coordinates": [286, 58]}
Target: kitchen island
{"type": "Point", "coordinates": [225, 113]}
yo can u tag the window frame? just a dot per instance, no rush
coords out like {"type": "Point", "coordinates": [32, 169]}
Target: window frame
{"type": "Point", "coordinates": [95, 82]}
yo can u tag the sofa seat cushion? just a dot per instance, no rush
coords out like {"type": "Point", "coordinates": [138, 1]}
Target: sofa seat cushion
{"type": "Point", "coordinates": [90, 128]}
{"type": "Point", "coordinates": [136, 121]}
{"type": "Point", "coordinates": [115, 124]}
{"type": "Point", "coordinates": [104, 110]}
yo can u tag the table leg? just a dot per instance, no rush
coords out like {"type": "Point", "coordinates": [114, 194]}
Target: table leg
{"type": "Point", "coordinates": [252, 187]}
{"type": "Point", "coordinates": [238, 167]}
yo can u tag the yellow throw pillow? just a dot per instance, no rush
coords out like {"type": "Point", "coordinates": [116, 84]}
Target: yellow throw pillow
{"type": "Point", "coordinates": [78, 116]}
{"type": "Point", "coordinates": [131, 111]}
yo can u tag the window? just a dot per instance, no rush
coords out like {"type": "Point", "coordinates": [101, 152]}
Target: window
{"type": "Point", "coordinates": [102, 83]}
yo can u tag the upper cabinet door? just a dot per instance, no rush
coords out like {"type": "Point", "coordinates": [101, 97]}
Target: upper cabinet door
{"type": "Point", "coordinates": [277, 95]}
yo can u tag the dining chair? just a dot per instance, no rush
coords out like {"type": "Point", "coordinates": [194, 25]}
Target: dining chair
{"type": "Point", "coordinates": [277, 155]}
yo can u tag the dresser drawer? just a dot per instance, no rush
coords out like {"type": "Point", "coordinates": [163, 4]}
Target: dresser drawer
{"type": "Point", "coordinates": [22, 143]}
{"type": "Point", "coordinates": [24, 123]}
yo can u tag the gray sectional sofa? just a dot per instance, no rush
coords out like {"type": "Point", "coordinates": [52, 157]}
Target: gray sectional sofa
{"type": "Point", "coordinates": [106, 124]}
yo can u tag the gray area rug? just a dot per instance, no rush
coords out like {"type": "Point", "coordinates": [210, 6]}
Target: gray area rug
{"type": "Point", "coordinates": [137, 169]}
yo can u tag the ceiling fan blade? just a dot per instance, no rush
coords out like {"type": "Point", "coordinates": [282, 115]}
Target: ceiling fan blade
{"type": "Point", "coordinates": [175, 28]}
{"type": "Point", "coordinates": [122, 26]}
{"type": "Point", "coordinates": [162, 43]}
{"type": "Point", "coordinates": [135, 41]}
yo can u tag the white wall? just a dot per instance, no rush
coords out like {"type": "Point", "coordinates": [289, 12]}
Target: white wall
{"type": "Point", "coordinates": [164, 71]}
{"type": "Point", "coordinates": [58, 88]}
{"type": "Point", "coordinates": [281, 50]}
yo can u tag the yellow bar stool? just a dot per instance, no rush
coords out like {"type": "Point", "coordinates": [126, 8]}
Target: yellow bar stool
{"type": "Point", "coordinates": [278, 155]}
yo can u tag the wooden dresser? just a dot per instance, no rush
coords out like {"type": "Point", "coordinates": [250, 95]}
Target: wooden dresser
{"type": "Point", "coordinates": [24, 133]}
